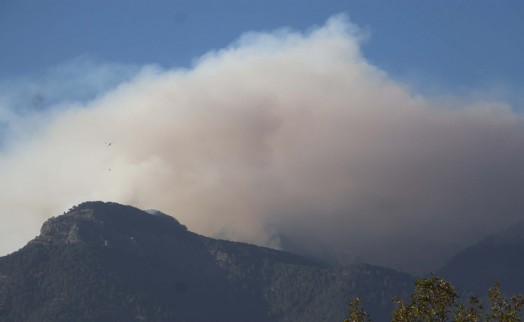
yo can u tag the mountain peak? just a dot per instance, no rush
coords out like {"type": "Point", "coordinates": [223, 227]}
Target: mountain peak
{"type": "Point", "coordinates": [98, 222]}
{"type": "Point", "coordinates": [513, 234]}
{"type": "Point", "coordinates": [102, 261]}
{"type": "Point", "coordinates": [495, 258]}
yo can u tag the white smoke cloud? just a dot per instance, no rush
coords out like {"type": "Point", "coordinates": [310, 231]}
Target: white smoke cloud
{"type": "Point", "coordinates": [286, 139]}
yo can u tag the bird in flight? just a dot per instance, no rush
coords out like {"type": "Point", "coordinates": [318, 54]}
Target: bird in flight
{"type": "Point", "coordinates": [109, 143]}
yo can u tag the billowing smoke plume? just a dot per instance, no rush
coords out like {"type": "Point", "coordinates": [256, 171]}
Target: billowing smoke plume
{"type": "Point", "coordinates": [283, 139]}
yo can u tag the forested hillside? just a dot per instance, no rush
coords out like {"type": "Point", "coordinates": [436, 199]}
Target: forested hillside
{"type": "Point", "coordinates": [109, 262]}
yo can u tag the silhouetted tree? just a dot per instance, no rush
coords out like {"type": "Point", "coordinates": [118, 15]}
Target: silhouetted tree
{"type": "Point", "coordinates": [435, 300]}
{"type": "Point", "coordinates": [356, 312]}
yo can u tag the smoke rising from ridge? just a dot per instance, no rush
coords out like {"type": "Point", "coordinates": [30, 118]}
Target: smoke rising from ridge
{"type": "Point", "coordinates": [285, 139]}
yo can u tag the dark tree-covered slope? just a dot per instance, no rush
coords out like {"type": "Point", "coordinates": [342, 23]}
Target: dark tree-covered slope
{"type": "Point", "coordinates": [497, 258]}
{"type": "Point", "coordinates": [109, 262]}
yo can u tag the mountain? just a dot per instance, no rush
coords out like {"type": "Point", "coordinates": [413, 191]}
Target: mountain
{"type": "Point", "coordinates": [110, 262]}
{"type": "Point", "coordinates": [495, 258]}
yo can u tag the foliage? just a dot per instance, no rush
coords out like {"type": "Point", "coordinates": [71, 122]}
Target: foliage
{"type": "Point", "coordinates": [432, 301]}
{"type": "Point", "coordinates": [501, 308]}
{"type": "Point", "coordinates": [435, 300]}
{"type": "Point", "coordinates": [469, 313]}
{"type": "Point", "coordinates": [356, 312]}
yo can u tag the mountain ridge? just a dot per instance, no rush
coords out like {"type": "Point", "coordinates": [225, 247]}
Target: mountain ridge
{"type": "Point", "coordinates": [109, 262]}
{"type": "Point", "coordinates": [495, 258]}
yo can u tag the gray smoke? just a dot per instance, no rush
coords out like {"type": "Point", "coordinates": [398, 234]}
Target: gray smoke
{"type": "Point", "coordinates": [285, 139]}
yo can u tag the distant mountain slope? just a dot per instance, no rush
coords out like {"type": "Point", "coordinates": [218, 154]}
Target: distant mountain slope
{"type": "Point", "coordinates": [109, 262]}
{"type": "Point", "coordinates": [498, 257]}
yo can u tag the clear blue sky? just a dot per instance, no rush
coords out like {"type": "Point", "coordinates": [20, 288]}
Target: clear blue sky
{"type": "Point", "coordinates": [446, 44]}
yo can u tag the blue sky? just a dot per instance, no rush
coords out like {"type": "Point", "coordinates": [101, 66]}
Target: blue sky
{"type": "Point", "coordinates": [336, 125]}
{"type": "Point", "coordinates": [446, 45]}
